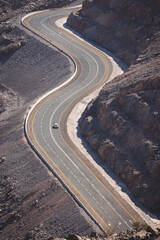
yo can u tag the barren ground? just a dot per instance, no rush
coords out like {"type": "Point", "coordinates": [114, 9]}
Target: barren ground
{"type": "Point", "coordinates": [32, 198]}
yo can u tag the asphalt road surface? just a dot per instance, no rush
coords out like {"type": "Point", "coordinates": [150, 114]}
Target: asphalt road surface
{"type": "Point", "coordinates": [91, 69]}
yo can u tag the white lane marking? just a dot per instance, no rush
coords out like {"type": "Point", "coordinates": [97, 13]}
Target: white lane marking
{"type": "Point", "coordinates": [97, 202]}
{"type": "Point", "coordinates": [59, 157]}
{"type": "Point", "coordinates": [59, 106]}
{"type": "Point", "coordinates": [50, 148]}
{"type": "Point", "coordinates": [83, 185]}
{"type": "Point", "coordinates": [85, 188]}
{"type": "Point", "coordinates": [94, 186]}
{"type": "Point", "coordinates": [66, 40]}
{"type": "Point", "coordinates": [42, 23]}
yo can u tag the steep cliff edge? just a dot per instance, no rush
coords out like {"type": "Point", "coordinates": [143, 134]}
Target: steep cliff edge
{"type": "Point", "coordinates": [123, 27]}
{"type": "Point", "coordinates": [122, 124]}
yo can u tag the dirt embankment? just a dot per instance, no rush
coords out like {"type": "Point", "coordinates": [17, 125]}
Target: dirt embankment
{"type": "Point", "coordinates": [31, 198]}
{"type": "Point", "coordinates": [9, 10]}
{"type": "Point", "coordinates": [122, 125]}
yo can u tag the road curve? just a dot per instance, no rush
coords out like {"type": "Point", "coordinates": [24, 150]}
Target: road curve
{"type": "Point", "coordinates": [93, 68]}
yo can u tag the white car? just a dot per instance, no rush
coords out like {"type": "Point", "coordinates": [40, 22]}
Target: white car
{"type": "Point", "coordinates": [55, 125]}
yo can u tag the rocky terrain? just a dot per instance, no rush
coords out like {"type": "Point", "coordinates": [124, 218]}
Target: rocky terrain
{"type": "Point", "coordinates": [31, 199]}
{"type": "Point", "coordinates": [125, 28]}
{"type": "Point", "coordinates": [9, 10]}
{"type": "Point", "coordinates": [33, 204]}
{"type": "Point", "coordinates": [140, 233]}
{"type": "Point", "coordinates": [122, 125]}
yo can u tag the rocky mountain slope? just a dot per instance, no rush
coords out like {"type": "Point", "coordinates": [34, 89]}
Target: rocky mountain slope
{"type": "Point", "coordinates": [122, 124]}
{"type": "Point", "coordinates": [125, 28]}
{"type": "Point", "coordinates": [31, 198]}
{"type": "Point", "coordinates": [33, 204]}
{"type": "Point", "coordinates": [140, 233]}
{"type": "Point", "coordinates": [9, 10]}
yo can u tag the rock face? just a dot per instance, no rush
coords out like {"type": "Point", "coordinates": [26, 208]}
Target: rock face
{"type": "Point", "coordinates": [141, 234]}
{"type": "Point", "coordinates": [123, 27]}
{"type": "Point", "coordinates": [122, 124]}
{"type": "Point", "coordinates": [9, 9]}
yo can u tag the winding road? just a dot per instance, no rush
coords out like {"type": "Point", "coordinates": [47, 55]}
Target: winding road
{"type": "Point", "coordinates": [92, 68]}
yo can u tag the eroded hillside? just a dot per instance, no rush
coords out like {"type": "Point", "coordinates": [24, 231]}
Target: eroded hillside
{"type": "Point", "coordinates": [122, 124]}
{"type": "Point", "coordinates": [123, 27]}
{"type": "Point", "coordinates": [31, 198]}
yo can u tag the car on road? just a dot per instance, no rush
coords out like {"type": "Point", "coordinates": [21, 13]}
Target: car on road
{"type": "Point", "coordinates": [55, 125]}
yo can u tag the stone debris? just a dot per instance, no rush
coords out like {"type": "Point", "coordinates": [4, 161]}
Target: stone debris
{"type": "Point", "coordinates": [122, 123]}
